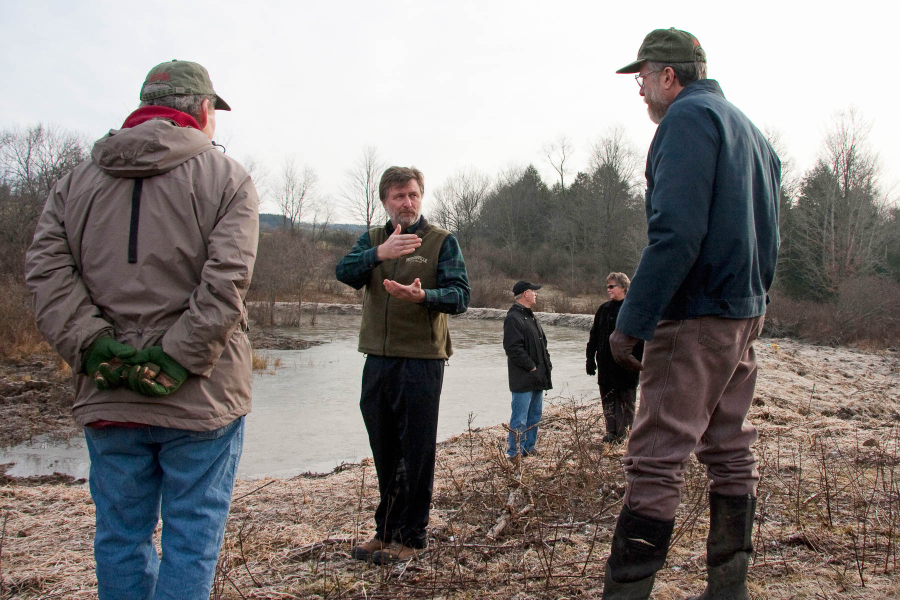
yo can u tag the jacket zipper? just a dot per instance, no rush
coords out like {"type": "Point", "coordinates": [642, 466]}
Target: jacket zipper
{"type": "Point", "coordinates": [135, 217]}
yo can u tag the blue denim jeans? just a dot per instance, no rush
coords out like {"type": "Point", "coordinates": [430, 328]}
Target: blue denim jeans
{"type": "Point", "coordinates": [140, 474]}
{"type": "Point", "coordinates": [523, 424]}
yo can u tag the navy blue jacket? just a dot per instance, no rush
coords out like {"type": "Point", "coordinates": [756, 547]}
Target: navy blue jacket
{"type": "Point", "coordinates": [712, 216]}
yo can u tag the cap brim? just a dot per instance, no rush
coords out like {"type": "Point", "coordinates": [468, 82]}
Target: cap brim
{"type": "Point", "coordinates": [634, 67]}
{"type": "Point", "coordinates": [536, 287]}
{"type": "Point", "coordinates": [221, 104]}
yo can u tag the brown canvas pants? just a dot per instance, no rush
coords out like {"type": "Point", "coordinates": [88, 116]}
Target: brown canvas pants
{"type": "Point", "coordinates": [696, 388]}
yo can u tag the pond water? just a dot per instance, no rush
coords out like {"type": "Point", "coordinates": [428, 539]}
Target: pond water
{"type": "Point", "coordinates": [306, 411]}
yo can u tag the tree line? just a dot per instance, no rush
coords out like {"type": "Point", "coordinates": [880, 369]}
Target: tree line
{"type": "Point", "coordinates": [840, 228]}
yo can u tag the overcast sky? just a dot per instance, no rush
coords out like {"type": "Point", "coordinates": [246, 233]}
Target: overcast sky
{"type": "Point", "coordinates": [446, 85]}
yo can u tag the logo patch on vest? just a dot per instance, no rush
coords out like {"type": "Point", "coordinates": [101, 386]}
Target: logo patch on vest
{"type": "Point", "coordinates": [417, 259]}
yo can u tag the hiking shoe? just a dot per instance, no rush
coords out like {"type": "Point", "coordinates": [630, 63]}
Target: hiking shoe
{"type": "Point", "coordinates": [395, 552]}
{"type": "Point", "coordinates": [365, 551]}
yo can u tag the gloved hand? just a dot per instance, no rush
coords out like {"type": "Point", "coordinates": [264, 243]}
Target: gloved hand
{"type": "Point", "coordinates": [591, 367]}
{"type": "Point", "coordinates": [105, 362]}
{"type": "Point", "coordinates": [155, 373]}
{"type": "Point", "coordinates": [621, 345]}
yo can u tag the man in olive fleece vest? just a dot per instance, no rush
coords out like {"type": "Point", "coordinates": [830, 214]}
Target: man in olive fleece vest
{"type": "Point", "coordinates": [414, 276]}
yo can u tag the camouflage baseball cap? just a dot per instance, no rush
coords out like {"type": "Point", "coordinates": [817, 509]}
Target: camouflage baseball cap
{"type": "Point", "coordinates": [182, 78]}
{"type": "Point", "coordinates": [667, 46]}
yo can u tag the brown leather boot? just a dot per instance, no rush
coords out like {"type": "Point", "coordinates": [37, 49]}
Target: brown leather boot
{"type": "Point", "coordinates": [395, 552]}
{"type": "Point", "coordinates": [366, 550]}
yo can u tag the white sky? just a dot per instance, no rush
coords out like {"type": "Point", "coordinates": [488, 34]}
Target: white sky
{"type": "Point", "coordinates": [446, 85]}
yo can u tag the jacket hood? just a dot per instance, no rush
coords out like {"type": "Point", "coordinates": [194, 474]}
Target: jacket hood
{"type": "Point", "coordinates": [148, 149]}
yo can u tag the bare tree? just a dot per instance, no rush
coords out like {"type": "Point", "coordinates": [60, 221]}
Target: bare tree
{"type": "Point", "coordinates": [287, 265]}
{"type": "Point", "coordinates": [615, 151]}
{"type": "Point", "coordinates": [606, 207]}
{"type": "Point", "coordinates": [841, 215]}
{"type": "Point", "coordinates": [558, 153]}
{"type": "Point", "coordinates": [260, 176]}
{"type": "Point", "coordinates": [295, 191]}
{"type": "Point", "coordinates": [360, 190]}
{"type": "Point", "coordinates": [322, 211]}
{"type": "Point", "coordinates": [31, 161]}
{"type": "Point", "coordinates": [459, 201]}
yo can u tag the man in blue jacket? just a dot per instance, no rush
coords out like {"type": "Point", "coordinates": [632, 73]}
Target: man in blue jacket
{"type": "Point", "coordinates": [698, 299]}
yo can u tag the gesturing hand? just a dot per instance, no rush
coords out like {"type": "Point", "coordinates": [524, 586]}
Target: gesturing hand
{"type": "Point", "coordinates": [621, 345]}
{"type": "Point", "coordinates": [412, 292]}
{"type": "Point", "coordinates": [398, 244]}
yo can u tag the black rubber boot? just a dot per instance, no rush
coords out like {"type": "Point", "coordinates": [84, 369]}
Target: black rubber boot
{"type": "Point", "coordinates": [639, 549]}
{"type": "Point", "coordinates": [728, 547]}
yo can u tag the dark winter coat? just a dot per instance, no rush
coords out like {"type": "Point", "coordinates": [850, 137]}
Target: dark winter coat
{"type": "Point", "coordinates": [712, 216]}
{"type": "Point", "coordinates": [610, 374]}
{"type": "Point", "coordinates": [526, 348]}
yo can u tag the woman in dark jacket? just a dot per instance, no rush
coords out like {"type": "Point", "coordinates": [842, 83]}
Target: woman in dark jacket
{"type": "Point", "coordinates": [618, 386]}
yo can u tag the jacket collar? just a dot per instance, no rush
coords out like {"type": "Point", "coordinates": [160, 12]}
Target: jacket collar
{"type": "Point", "coordinates": [701, 85]}
{"type": "Point", "coordinates": [524, 309]}
{"type": "Point", "coordinates": [146, 113]}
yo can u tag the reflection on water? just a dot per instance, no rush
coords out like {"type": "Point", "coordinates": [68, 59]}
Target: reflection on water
{"type": "Point", "coordinates": [41, 456]}
{"type": "Point", "coordinates": [306, 416]}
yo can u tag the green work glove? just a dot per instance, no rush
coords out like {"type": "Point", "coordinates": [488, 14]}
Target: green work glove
{"type": "Point", "coordinates": [105, 362]}
{"type": "Point", "coordinates": [156, 373]}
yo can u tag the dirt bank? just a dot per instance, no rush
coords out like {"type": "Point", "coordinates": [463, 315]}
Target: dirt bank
{"type": "Point", "coordinates": [35, 398]}
{"type": "Point", "coordinates": [827, 527]}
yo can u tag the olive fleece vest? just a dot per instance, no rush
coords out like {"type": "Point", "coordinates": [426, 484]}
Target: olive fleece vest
{"type": "Point", "coordinates": [392, 327]}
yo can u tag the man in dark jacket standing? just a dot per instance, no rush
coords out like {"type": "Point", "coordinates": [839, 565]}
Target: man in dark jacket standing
{"type": "Point", "coordinates": [528, 362]}
{"type": "Point", "coordinates": [414, 276]}
{"type": "Point", "coordinates": [618, 385]}
{"type": "Point", "coordinates": [698, 298]}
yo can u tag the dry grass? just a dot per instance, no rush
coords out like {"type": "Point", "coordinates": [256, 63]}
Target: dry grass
{"type": "Point", "coordinates": [261, 361]}
{"type": "Point", "coordinates": [19, 337]}
{"type": "Point", "coordinates": [829, 506]}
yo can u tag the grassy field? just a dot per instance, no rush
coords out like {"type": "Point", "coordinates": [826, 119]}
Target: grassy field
{"type": "Point", "coordinates": [827, 523]}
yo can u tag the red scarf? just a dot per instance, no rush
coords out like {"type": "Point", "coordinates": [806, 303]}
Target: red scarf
{"type": "Point", "coordinates": [146, 113]}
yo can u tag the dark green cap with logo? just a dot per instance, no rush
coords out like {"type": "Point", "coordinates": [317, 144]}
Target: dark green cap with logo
{"type": "Point", "coordinates": [180, 78]}
{"type": "Point", "coordinates": [667, 46]}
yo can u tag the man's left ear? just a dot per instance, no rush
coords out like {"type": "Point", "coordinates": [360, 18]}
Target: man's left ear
{"type": "Point", "coordinates": [204, 114]}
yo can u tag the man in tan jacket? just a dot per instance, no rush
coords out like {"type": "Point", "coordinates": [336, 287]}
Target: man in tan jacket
{"type": "Point", "coordinates": [139, 268]}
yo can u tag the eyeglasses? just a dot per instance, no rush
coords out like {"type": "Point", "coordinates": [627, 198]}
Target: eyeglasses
{"type": "Point", "coordinates": [640, 77]}
{"type": "Point", "coordinates": [609, 287]}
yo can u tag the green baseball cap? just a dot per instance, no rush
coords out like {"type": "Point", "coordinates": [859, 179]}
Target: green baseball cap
{"type": "Point", "coordinates": [182, 78]}
{"type": "Point", "coordinates": [667, 46]}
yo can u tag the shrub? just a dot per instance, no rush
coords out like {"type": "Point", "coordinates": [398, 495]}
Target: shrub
{"type": "Point", "coordinates": [19, 336]}
{"type": "Point", "coordinates": [865, 312]}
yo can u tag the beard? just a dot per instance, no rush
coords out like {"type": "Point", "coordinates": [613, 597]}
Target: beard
{"type": "Point", "coordinates": [404, 218]}
{"type": "Point", "coordinates": [656, 104]}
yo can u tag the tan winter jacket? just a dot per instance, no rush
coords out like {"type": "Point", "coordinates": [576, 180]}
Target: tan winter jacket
{"type": "Point", "coordinates": [196, 245]}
